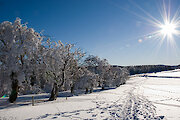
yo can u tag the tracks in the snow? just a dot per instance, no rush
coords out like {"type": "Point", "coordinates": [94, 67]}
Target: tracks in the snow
{"type": "Point", "coordinates": [120, 104]}
{"type": "Point", "coordinates": [134, 106]}
{"type": "Point", "coordinates": [138, 107]}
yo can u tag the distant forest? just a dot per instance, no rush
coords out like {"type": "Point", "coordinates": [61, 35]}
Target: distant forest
{"type": "Point", "coordinates": [139, 69]}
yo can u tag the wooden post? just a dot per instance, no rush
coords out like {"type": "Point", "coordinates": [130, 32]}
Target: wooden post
{"type": "Point", "coordinates": [32, 100]}
{"type": "Point", "coordinates": [66, 98]}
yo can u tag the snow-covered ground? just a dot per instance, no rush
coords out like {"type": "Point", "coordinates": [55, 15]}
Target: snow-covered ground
{"type": "Point", "coordinates": [172, 73]}
{"type": "Point", "coordinates": [142, 97]}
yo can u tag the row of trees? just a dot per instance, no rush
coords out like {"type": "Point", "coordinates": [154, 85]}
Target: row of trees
{"type": "Point", "coordinates": [149, 68]}
{"type": "Point", "coordinates": [31, 63]}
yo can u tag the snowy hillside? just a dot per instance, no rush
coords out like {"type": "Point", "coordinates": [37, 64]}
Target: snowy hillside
{"type": "Point", "coordinates": [141, 97]}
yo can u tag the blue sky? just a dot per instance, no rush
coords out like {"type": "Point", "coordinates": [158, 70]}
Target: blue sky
{"type": "Point", "coordinates": [111, 29]}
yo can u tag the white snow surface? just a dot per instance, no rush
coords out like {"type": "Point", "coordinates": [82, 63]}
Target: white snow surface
{"type": "Point", "coordinates": [140, 98]}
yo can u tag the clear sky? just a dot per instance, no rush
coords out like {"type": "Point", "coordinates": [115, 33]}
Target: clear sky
{"type": "Point", "coordinates": [112, 29]}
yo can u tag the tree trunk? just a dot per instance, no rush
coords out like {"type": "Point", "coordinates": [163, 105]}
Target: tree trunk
{"type": "Point", "coordinates": [86, 91]}
{"type": "Point", "coordinates": [103, 85]}
{"type": "Point", "coordinates": [15, 87]}
{"type": "Point", "coordinates": [91, 90]}
{"type": "Point", "coordinates": [72, 89]}
{"type": "Point", "coordinates": [54, 92]}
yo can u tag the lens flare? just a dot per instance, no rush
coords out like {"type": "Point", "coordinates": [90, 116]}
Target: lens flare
{"type": "Point", "coordinates": [3, 96]}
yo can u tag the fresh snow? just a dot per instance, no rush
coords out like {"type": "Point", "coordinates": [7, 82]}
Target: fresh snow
{"type": "Point", "coordinates": [155, 97]}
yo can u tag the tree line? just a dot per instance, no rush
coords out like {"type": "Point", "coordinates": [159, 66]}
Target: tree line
{"type": "Point", "coordinates": [32, 63]}
{"type": "Point", "coordinates": [149, 68]}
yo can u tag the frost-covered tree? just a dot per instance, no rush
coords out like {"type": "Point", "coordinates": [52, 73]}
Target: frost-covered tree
{"type": "Point", "coordinates": [104, 72]}
{"type": "Point", "coordinates": [88, 80]}
{"type": "Point", "coordinates": [100, 67]}
{"type": "Point", "coordinates": [120, 76]}
{"type": "Point", "coordinates": [53, 61]}
{"type": "Point", "coordinates": [124, 75]}
{"type": "Point", "coordinates": [18, 44]}
{"type": "Point", "coordinates": [28, 65]}
{"type": "Point", "coordinates": [34, 73]}
{"type": "Point", "coordinates": [75, 70]}
{"type": "Point", "coordinates": [61, 63]}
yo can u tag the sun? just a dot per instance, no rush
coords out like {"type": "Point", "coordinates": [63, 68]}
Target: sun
{"type": "Point", "coordinates": [168, 29]}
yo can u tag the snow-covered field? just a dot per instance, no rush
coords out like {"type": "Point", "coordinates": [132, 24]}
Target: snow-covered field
{"type": "Point", "coordinates": [142, 97]}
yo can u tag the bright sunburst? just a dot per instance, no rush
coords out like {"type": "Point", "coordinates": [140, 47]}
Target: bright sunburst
{"type": "Point", "coordinates": [168, 29]}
